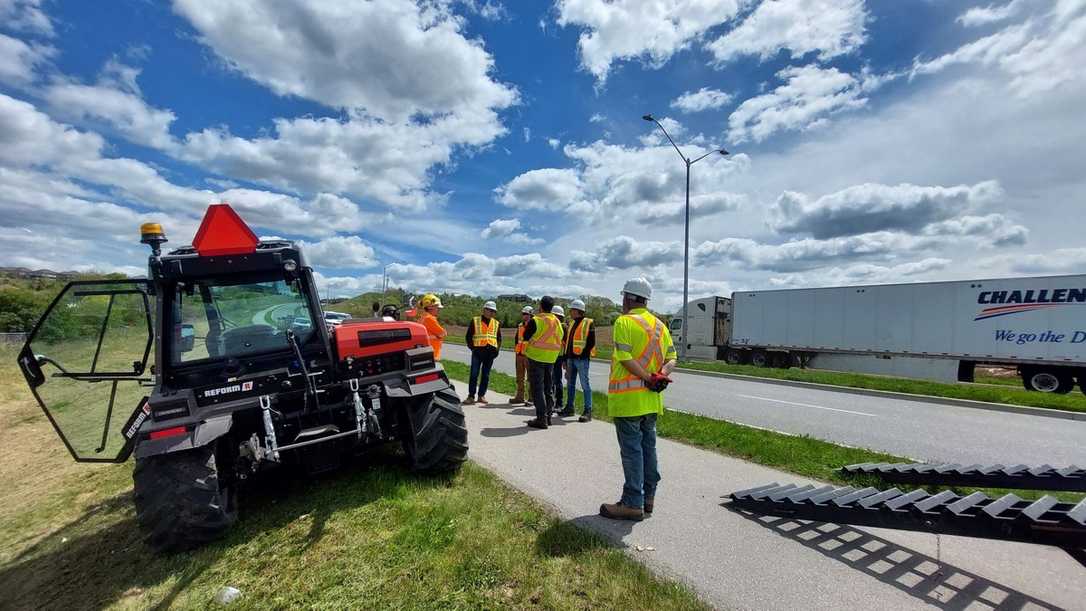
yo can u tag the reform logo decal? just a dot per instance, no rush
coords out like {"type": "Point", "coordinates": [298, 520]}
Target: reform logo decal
{"type": "Point", "coordinates": [226, 390]}
{"type": "Point", "coordinates": [1003, 303]}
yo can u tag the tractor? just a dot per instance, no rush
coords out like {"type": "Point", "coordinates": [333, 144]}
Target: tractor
{"type": "Point", "coordinates": [247, 377]}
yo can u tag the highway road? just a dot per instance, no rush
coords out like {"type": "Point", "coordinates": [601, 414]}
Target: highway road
{"type": "Point", "coordinates": [914, 429]}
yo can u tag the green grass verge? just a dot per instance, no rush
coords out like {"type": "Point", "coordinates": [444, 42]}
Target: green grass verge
{"type": "Point", "coordinates": [376, 538]}
{"type": "Point", "coordinates": [1004, 393]}
{"type": "Point", "coordinates": [799, 454]}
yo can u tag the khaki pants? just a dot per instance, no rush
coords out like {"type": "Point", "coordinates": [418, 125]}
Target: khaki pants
{"type": "Point", "coordinates": [523, 389]}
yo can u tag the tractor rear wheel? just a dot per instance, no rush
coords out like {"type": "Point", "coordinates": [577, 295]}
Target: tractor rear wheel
{"type": "Point", "coordinates": [181, 500]}
{"type": "Point", "coordinates": [433, 432]}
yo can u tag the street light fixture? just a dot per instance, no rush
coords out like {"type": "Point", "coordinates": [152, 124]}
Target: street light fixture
{"type": "Point", "coordinates": [686, 242]}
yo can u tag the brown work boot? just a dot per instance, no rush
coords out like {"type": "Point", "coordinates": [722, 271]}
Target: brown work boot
{"type": "Point", "coordinates": [482, 401]}
{"type": "Point", "coordinates": [469, 401]}
{"type": "Point", "coordinates": [618, 511]}
{"type": "Point", "coordinates": [516, 400]}
{"type": "Point", "coordinates": [649, 501]}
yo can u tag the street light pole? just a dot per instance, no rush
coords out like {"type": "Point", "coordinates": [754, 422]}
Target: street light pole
{"type": "Point", "coordinates": [686, 240]}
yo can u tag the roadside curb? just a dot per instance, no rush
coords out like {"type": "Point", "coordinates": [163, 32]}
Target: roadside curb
{"type": "Point", "coordinates": [904, 396]}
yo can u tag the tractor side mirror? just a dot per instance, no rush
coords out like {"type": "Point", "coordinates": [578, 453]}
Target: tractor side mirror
{"type": "Point", "coordinates": [186, 338]}
{"type": "Point", "coordinates": [376, 308]}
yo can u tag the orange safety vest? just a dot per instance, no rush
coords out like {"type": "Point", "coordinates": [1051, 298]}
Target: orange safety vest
{"type": "Point", "coordinates": [521, 344]}
{"type": "Point", "coordinates": [485, 334]}
{"type": "Point", "coordinates": [580, 337]}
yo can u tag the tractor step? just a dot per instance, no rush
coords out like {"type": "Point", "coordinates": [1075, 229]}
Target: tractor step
{"type": "Point", "coordinates": [1021, 477]}
{"type": "Point", "coordinates": [1045, 521]}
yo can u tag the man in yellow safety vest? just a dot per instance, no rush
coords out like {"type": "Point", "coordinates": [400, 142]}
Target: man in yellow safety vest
{"type": "Point", "coordinates": [642, 359]}
{"type": "Point", "coordinates": [580, 348]}
{"type": "Point", "coordinates": [544, 341]}
{"type": "Point", "coordinates": [522, 361]}
{"type": "Point", "coordinates": [484, 338]}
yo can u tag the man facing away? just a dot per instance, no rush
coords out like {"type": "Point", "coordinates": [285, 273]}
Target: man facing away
{"type": "Point", "coordinates": [580, 348]}
{"type": "Point", "coordinates": [431, 305]}
{"type": "Point", "coordinates": [560, 363]}
{"type": "Point", "coordinates": [522, 361]}
{"type": "Point", "coordinates": [544, 341]}
{"type": "Point", "coordinates": [485, 340]}
{"type": "Point", "coordinates": [642, 359]}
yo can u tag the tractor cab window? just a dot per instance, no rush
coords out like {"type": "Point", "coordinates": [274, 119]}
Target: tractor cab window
{"type": "Point", "coordinates": [214, 320]}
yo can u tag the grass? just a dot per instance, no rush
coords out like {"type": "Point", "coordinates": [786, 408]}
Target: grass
{"type": "Point", "coordinates": [369, 536]}
{"type": "Point", "coordinates": [799, 454]}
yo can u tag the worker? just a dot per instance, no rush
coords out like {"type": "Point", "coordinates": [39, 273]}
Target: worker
{"type": "Point", "coordinates": [643, 357]}
{"type": "Point", "coordinates": [431, 305]}
{"type": "Point", "coordinates": [522, 361]}
{"type": "Point", "coordinates": [580, 348]}
{"type": "Point", "coordinates": [544, 341]}
{"type": "Point", "coordinates": [559, 365]}
{"type": "Point", "coordinates": [484, 338]}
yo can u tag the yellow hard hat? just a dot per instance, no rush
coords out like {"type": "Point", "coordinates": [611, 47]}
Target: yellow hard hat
{"type": "Point", "coordinates": [430, 300]}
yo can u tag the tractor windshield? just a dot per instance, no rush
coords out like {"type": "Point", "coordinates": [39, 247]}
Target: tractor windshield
{"type": "Point", "coordinates": [217, 320]}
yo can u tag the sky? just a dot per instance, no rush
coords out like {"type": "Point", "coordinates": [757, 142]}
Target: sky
{"type": "Point", "coordinates": [493, 146]}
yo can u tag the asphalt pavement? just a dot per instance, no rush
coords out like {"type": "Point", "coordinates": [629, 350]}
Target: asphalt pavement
{"type": "Point", "coordinates": [738, 560]}
{"type": "Point", "coordinates": [910, 428]}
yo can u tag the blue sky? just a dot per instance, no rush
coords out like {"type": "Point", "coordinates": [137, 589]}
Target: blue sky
{"type": "Point", "coordinates": [485, 147]}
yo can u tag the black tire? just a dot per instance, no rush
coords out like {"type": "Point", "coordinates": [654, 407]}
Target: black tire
{"type": "Point", "coordinates": [1048, 381]}
{"type": "Point", "coordinates": [434, 436]}
{"type": "Point", "coordinates": [759, 359]}
{"type": "Point", "coordinates": [181, 502]}
{"type": "Point", "coordinates": [733, 356]}
{"type": "Point", "coordinates": [782, 360]}
{"type": "Point", "coordinates": [1082, 383]}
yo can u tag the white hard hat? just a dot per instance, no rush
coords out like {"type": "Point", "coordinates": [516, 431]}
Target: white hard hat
{"type": "Point", "coordinates": [639, 287]}
{"type": "Point", "coordinates": [526, 310]}
{"type": "Point", "coordinates": [558, 311]}
{"type": "Point", "coordinates": [577, 305]}
{"type": "Point", "coordinates": [490, 305]}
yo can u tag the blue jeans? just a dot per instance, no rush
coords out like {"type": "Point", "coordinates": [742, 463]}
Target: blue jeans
{"type": "Point", "coordinates": [480, 370]}
{"type": "Point", "coordinates": [577, 368]}
{"type": "Point", "coordinates": [637, 445]}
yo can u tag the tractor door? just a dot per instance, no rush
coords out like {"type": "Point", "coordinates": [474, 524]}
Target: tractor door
{"type": "Point", "coordinates": [85, 362]}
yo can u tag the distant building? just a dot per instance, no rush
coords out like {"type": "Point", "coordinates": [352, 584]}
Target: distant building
{"type": "Point", "coordinates": [515, 298]}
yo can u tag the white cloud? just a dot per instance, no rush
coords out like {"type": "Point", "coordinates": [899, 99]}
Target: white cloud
{"type": "Point", "coordinates": [629, 29]}
{"type": "Point", "coordinates": [527, 134]}
{"type": "Point", "coordinates": [701, 207]}
{"type": "Point", "coordinates": [984, 15]}
{"type": "Point", "coordinates": [544, 189]}
{"type": "Point", "coordinates": [346, 286]}
{"type": "Point", "coordinates": [340, 252]}
{"type": "Point", "coordinates": [624, 252]}
{"type": "Point", "coordinates": [702, 99]}
{"type": "Point", "coordinates": [1058, 261]}
{"type": "Point", "coordinates": [393, 58]}
{"type": "Point", "coordinates": [487, 9]}
{"type": "Point", "coordinates": [554, 143]}
{"type": "Point", "coordinates": [1038, 55]}
{"type": "Point", "coordinates": [654, 137]}
{"type": "Point", "coordinates": [875, 207]}
{"type": "Point", "coordinates": [862, 273]}
{"type": "Point", "coordinates": [479, 274]}
{"type": "Point", "coordinates": [25, 16]}
{"type": "Point", "coordinates": [19, 61]}
{"type": "Point", "coordinates": [989, 231]}
{"type": "Point", "coordinates": [509, 231]}
{"type": "Point", "coordinates": [810, 94]}
{"type": "Point", "coordinates": [597, 118]}
{"type": "Point", "coordinates": [807, 253]}
{"type": "Point", "coordinates": [116, 100]}
{"type": "Point", "coordinates": [828, 27]}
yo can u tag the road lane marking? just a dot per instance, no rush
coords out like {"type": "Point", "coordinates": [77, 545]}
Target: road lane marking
{"type": "Point", "coordinates": [832, 409]}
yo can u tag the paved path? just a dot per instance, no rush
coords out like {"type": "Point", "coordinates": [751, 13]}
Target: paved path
{"type": "Point", "coordinates": [915, 429]}
{"type": "Point", "coordinates": [740, 562]}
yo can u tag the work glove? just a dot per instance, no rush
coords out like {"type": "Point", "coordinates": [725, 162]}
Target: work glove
{"type": "Point", "coordinates": [658, 382]}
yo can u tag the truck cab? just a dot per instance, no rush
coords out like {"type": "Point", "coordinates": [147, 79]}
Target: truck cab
{"type": "Point", "coordinates": [709, 321]}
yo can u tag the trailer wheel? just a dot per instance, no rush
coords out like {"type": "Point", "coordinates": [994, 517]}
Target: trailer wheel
{"type": "Point", "coordinates": [733, 356]}
{"type": "Point", "coordinates": [759, 358]}
{"type": "Point", "coordinates": [1082, 383]}
{"type": "Point", "coordinates": [433, 433]}
{"type": "Point", "coordinates": [1048, 381]}
{"type": "Point", "coordinates": [782, 360]}
{"type": "Point", "coordinates": [181, 501]}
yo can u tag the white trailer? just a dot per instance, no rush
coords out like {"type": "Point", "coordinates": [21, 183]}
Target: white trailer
{"type": "Point", "coordinates": [939, 330]}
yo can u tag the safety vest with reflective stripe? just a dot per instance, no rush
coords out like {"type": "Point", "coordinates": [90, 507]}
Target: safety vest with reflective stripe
{"type": "Point", "coordinates": [521, 344]}
{"type": "Point", "coordinates": [484, 334]}
{"type": "Point", "coordinates": [580, 337]}
{"type": "Point", "coordinates": [642, 337]}
{"type": "Point", "coordinates": [546, 343]}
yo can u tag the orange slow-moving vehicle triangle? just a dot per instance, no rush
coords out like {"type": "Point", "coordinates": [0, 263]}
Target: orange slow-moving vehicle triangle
{"type": "Point", "coordinates": [222, 232]}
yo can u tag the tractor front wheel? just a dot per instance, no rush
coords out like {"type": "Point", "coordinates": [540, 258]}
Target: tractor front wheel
{"type": "Point", "coordinates": [433, 432]}
{"type": "Point", "coordinates": [181, 500]}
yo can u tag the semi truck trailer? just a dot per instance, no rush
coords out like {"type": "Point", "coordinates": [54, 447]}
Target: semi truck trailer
{"type": "Point", "coordinates": [934, 330]}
